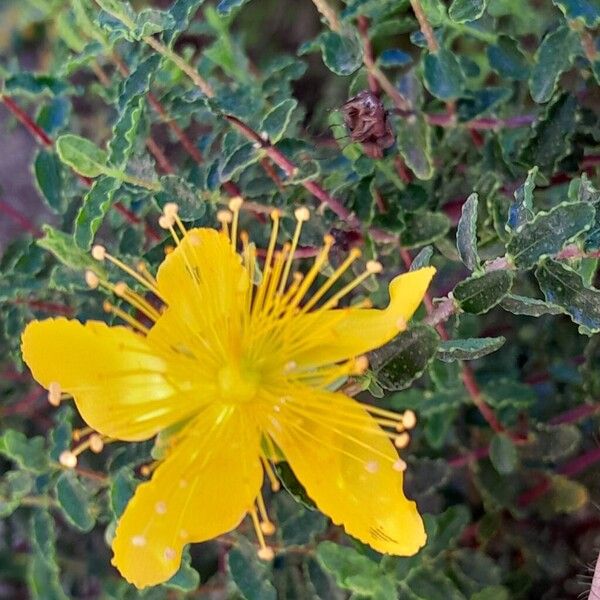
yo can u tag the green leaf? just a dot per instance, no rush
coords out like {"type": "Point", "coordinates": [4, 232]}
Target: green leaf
{"type": "Point", "coordinates": [503, 454]}
{"type": "Point", "coordinates": [83, 156]}
{"type": "Point", "coordinates": [551, 139]}
{"type": "Point", "coordinates": [552, 443]}
{"type": "Point", "coordinates": [424, 227]}
{"type": "Point", "coordinates": [138, 82]}
{"type": "Point", "coordinates": [463, 11]}
{"type": "Point", "coordinates": [60, 435]}
{"type": "Point", "coordinates": [296, 524]}
{"type": "Point", "coordinates": [469, 349]}
{"type": "Point", "coordinates": [587, 11]}
{"type": "Point", "coordinates": [249, 573]}
{"type": "Point", "coordinates": [554, 56]}
{"type": "Point", "coordinates": [29, 453]}
{"type": "Point", "coordinates": [48, 177]}
{"type": "Point", "coordinates": [226, 7]}
{"type": "Point", "coordinates": [43, 579]}
{"type": "Point", "coordinates": [443, 75]}
{"type": "Point", "coordinates": [403, 360]}
{"type": "Point", "coordinates": [521, 210]}
{"type": "Point", "coordinates": [187, 578]}
{"type": "Point", "coordinates": [125, 133]}
{"type": "Point", "coordinates": [243, 156]}
{"type": "Point", "coordinates": [480, 293]}
{"type": "Point", "coordinates": [66, 250]}
{"type": "Point", "coordinates": [96, 204]}
{"type": "Point", "coordinates": [181, 11]}
{"type": "Point", "coordinates": [466, 234]}
{"type": "Point", "coordinates": [122, 487]}
{"type": "Point", "coordinates": [548, 233]}
{"type": "Point", "coordinates": [564, 496]}
{"type": "Point", "coordinates": [507, 60]}
{"type": "Point", "coordinates": [30, 84]}
{"type": "Point", "coordinates": [422, 259]}
{"type": "Point", "coordinates": [435, 11]}
{"type": "Point", "coordinates": [494, 592]}
{"type": "Point", "coordinates": [277, 120]}
{"type": "Point", "coordinates": [14, 485]}
{"type": "Point", "coordinates": [413, 138]}
{"type": "Point", "coordinates": [342, 53]}
{"type": "Point", "coordinates": [532, 307]}
{"type": "Point", "coordinates": [427, 583]}
{"type": "Point", "coordinates": [74, 500]}
{"type": "Point", "coordinates": [564, 287]}
{"type": "Point", "coordinates": [150, 21]}
{"type": "Point", "coordinates": [191, 205]}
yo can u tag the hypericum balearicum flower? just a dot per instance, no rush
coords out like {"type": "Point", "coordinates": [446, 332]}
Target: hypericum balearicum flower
{"type": "Point", "coordinates": [236, 374]}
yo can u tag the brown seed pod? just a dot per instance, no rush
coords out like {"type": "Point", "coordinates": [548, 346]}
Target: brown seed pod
{"type": "Point", "coordinates": [367, 123]}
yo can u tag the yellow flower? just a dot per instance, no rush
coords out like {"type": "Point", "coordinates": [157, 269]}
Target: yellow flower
{"type": "Point", "coordinates": [236, 375]}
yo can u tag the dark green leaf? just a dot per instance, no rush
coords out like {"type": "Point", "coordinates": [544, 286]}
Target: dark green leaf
{"type": "Point", "coordinates": [243, 156]}
{"type": "Point", "coordinates": [342, 53]}
{"type": "Point", "coordinates": [403, 360]}
{"type": "Point", "coordinates": [427, 583]}
{"type": "Point", "coordinates": [423, 228]}
{"type": "Point", "coordinates": [552, 443]}
{"type": "Point", "coordinates": [150, 21]}
{"type": "Point", "coordinates": [443, 75]}
{"type": "Point", "coordinates": [277, 120]}
{"type": "Point", "coordinates": [532, 307]}
{"type": "Point", "coordinates": [480, 293]}
{"type": "Point", "coordinates": [181, 11]}
{"type": "Point", "coordinates": [48, 177]}
{"type": "Point", "coordinates": [554, 56]}
{"type": "Point", "coordinates": [564, 287]}
{"type": "Point", "coordinates": [507, 60]}
{"type": "Point", "coordinates": [187, 578]}
{"type": "Point", "coordinates": [123, 485]}
{"type": "Point", "coordinates": [14, 485]}
{"type": "Point", "coordinates": [469, 349]}
{"type": "Point", "coordinates": [462, 11]}
{"type": "Point", "coordinates": [521, 210]}
{"type": "Point", "coordinates": [191, 206]}
{"type": "Point", "coordinates": [74, 500]}
{"type": "Point", "coordinates": [66, 250]}
{"type": "Point", "coordinates": [81, 155]}
{"type": "Point", "coordinates": [28, 453]}
{"type": "Point", "coordinates": [503, 454]}
{"type": "Point", "coordinates": [413, 136]}
{"type": "Point", "coordinates": [422, 259]}
{"type": "Point", "coordinates": [548, 233]}
{"type": "Point", "coordinates": [125, 133]}
{"type": "Point", "coordinates": [466, 234]}
{"type": "Point", "coordinates": [138, 82]}
{"type": "Point", "coordinates": [587, 11]}
{"type": "Point", "coordinates": [31, 84]}
{"type": "Point", "coordinates": [225, 7]}
{"type": "Point", "coordinates": [394, 57]}
{"type": "Point", "coordinates": [249, 573]}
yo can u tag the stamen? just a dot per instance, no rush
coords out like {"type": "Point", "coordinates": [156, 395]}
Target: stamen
{"type": "Point", "coordinates": [68, 459]}
{"type": "Point", "coordinates": [79, 433]}
{"type": "Point", "coordinates": [402, 440]}
{"type": "Point", "coordinates": [92, 280]}
{"type": "Point", "coordinates": [96, 443]}
{"type": "Point", "coordinates": [302, 215]}
{"type": "Point", "coordinates": [224, 217]}
{"type": "Point", "coordinates": [235, 204]}
{"type": "Point", "coordinates": [147, 470]}
{"type": "Point", "coordinates": [399, 466]}
{"type": "Point", "coordinates": [265, 552]}
{"type": "Point", "coordinates": [372, 268]}
{"type": "Point", "coordinates": [99, 252]}
{"type": "Point", "coordinates": [122, 290]}
{"type": "Point", "coordinates": [361, 364]}
{"type": "Point", "coordinates": [143, 270]}
{"type": "Point", "coordinates": [275, 485]}
{"type": "Point", "coordinates": [409, 419]}
{"type": "Point", "coordinates": [111, 308]}
{"type": "Point", "coordinates": [54, 393]}
{"type": "Point", "coordinates": [166, 222]}
{"type": "Point", "coordinates": [266, 525]}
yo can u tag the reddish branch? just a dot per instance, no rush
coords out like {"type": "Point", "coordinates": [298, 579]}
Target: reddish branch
{"type": "Point", "coordinates": [19, 218]}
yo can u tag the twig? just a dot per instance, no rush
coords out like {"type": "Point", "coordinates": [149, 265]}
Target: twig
{"type": "Point", "coordinates": [19, 218]}
{"type": "Point", "coordinates": [329, 14]}
{"type": "Point", "coordinates": [426, 29]}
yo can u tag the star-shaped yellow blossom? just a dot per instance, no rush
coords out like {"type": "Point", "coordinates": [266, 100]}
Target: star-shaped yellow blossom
{"type": "Point", "coordinates": [236, 374]}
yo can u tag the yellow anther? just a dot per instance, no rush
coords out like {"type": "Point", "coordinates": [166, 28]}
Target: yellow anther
{"type": "Point", "coordinates": [170, 210]}
{"type": "Point", "coordinates": [120, 289]}
{"type": "Point", "coordinates": [374, 266]}
{"type": "Point", "coordinates": [401, 323]}
{"type": "Point", "coordinates": [107, 306]}
{"type": "Point", "coordinates": [399, 466]}
{"type": "Point", "coordinates": [68, 459]}
{"type": "Point", "coordinates": [92, 280]}
{"type": "Point", "coordinates": [224, 217]}
{"type": "Point", "coordinates": [145, 470]}
{"type": "Point", "coordinates": [355, 252]}
{"type": "Point", "coordinates": [409, 419]}
{"type": "Point", "coordinates": [361, 364]}
{"type": "Point", "coordinates": [302, 214]}
{"type": "Point", "coordinates": [267, 527]}
{"type": "Point", "coordinates": [402, 440]}
{"type": "Point", "coordinates": [329, 240]}
{"type": "Point", "coordinates": [166, 222]}
{"type": "Point", "coordinates": [54, 393]}
{"type": "Point", "coordinates": [99, 252]}
{"type": "Point", "coordinates": [275, 214]}
{"type": "Point", "coordinates": [96, 443]}
{"type": "Point", "coordinates": [266, 553]}
{"type": "Point", "coordinates": [235, 203]}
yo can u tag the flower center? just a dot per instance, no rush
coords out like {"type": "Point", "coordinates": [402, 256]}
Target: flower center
{"type": "Point", "coordinates": [238, 384]}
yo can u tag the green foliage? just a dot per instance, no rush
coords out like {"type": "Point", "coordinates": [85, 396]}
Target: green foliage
{"type": "Point", "coordinates": [492, 179]}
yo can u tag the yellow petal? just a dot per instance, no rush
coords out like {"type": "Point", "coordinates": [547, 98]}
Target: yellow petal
{"type": "Point", "coordinates": [204, 284]}
{"type": "Point", "coordinates": [349, 469]}
{"type": "Point", "coordinates": [343, 333]}
{"type": "Point", "coordinates": [123, 386]}
{"type": "Point", "coordinates": [203, 489]}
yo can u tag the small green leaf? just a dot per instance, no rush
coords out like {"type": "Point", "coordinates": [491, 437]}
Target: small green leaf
{"type": "Point", "coordinates": [493, 592]}
{"type": "Point", "coordinates": [463, 11]}
{"type": "Point", "coordinates": [187, 578]}
{"type": "Point", "coordinates": [277, 120]}
{"type": "Point", "coordinates": [48, 177]}
{"type": "Point", "coordinates": [503, 454]}
{"type": "Point", "coordinates": [507, 60]}
{"type": "Point", "coordinates": [31, 84]}
{"type": "Point", "coordinates": [81, 155]}
{"type": "Point", "coordinates": [587, 11]}
{"type": "Point", "coordinates": [552, 443]}
{"type": "Point", "coordinates": [532, 307]}
{"type": "Point", "coordinates": [125, 133]}
{"type": "Point", "coordinates": [564, 496]}
{"type": "Point", "coordinates": [150, 21]}
{"type": "Point", "coordinates": [403, 360]}
{"type": "Point", "coordinates": [181, 11]}
{"type": "Point", "coordinates": [564, 287]}
{"type": "Point", "coordinates": [422, 259]}
{"type": "Point", "coordinates": [521, 210]}
{"type": "Point", "coordinates": [122, 487]}
{"type": "Point", "coordinates": [191, 205]}
{"type": "Point", "coordinates": [427, 583]}
{"type": "Point", "coordinates": [423, 228]}
{"type": "Point", "coordinates": [552, 134]}
{"type": "Point", "coordinates": [73, 498]}
{"type": "Point", "coordinates": [66, 250]}
{"type": "Point", "coordinates": [468, 349]}
{"type": "Point", "coordinates": [548, 233]}
{"type": "Point", "coordinates": [226, 7]}
{"type": "Point", "coordinates": [342, 53]}
{"type": "Point", "coordinates": [29, 453]}
{"type": "Point", "coordinates": [96, 204]}
{"type": "Point", "coordinates": [466, 234]}
{"type": "Point", "coordinates": [138, 82]}
{"type": "Point", "coordinates": [14, 485]}
{"type": "Point", "coordinates": [249, 573]}
{"type": "Point", "coordinates": [243, 156]}
{"type": "Point", "coordinates": [443, 75]}
{"type": "Point", "coordinates": [413, 137]}
{"type": "Point", "coordinates": [554, 56]}
{"type": "Point", "coordinates": [480, 293]}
